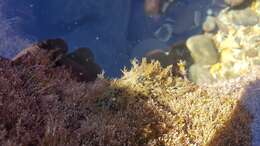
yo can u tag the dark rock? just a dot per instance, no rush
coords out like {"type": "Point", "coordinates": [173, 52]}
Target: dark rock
{"type": "Point", "coordinates": [52, 53]}
{"type": "Point", "coordinates": [43, 53]}
{"type": "Point", "coordinates": [235, 3]}
{"type": "Point", "coordinates": [82, 55]}
{"type": "Point", "coordinates": [158, 55]}
{"type": "Point", "coordinates": [82, 64]}
{"type": "Point", "coordinates": [179, 51]}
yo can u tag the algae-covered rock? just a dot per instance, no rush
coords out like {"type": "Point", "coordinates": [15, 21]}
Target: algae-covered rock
{"type": "Point", "coordinates": [202, 50]}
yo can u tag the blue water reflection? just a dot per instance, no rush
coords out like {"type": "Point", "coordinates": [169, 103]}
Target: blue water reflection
{"type": "Point", "coordinates": [115, 30]}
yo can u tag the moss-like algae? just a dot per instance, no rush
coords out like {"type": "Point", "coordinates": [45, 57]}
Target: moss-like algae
{"type": "Point", "coordinates": [185, 113]}
{"type": "Point", "coordinates": [147, 106]}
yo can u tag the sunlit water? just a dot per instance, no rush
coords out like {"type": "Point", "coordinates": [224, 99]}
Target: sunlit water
{"type": "Point", "coordinates": [115, 30]}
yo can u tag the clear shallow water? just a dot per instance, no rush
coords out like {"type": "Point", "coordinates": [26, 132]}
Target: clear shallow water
{"type": "Point", "coordinates": [115, 30]}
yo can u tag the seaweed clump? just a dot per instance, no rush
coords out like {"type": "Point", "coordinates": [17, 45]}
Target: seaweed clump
{"type": "Point", "coordinates": [42, 105]}
{"type": "Point", "coordinates": [185, 113]}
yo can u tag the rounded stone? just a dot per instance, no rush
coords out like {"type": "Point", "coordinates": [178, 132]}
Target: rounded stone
{"type": "Point", "coordinates": [235, 3]}
{"type": "Point", "coordinates": [202, 50]}
{"type": "Point", "coordinates": [210, 24]}
{"type": "Point", "coordinates": [82, 55]}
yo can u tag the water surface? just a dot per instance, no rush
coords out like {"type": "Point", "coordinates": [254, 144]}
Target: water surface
{"type": "Point", "coordinates": [115, 30]}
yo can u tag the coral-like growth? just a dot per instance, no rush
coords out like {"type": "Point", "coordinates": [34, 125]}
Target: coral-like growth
{"type": "Point", "coordinates": [188, 115]}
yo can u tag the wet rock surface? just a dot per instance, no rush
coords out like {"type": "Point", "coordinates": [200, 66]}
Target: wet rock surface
{"type": "Point", "coordinates": [200, 74]}
{"type": "Point", "coordinates": [235, 3]}
{"type": "Point", "coordinates": [158, 55]}
{"type": "Point", "coordinates": [43, 53]}
{"type": "Point", "coordinates": [53, 53]}
{"type": "Point", "coordinates": [202, 50]}
{"type": "Point", "coordinates": [210, 24]}
{"type": "Point", "coordinates": [82, 64]}
{"type": "Point", "coordinates": [173, 55]}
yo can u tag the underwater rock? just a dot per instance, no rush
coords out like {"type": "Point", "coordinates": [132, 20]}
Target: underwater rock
{"type": "Point", "coordinates": [164, 33]}
{"type": "Point", "coordinates": [82, 64]}
{"type": "Point", "coordinates": [210, 24]}
{"type": "Point", "coordinates": [199, 74]}
{"type": "Point", "coordinates": [52, 53]}
{"type": "Point", "coordinates": [43, 53]}
{"type": "Point", "coordinates": [146, 46]}
{"type": "Point", "coordinates": [235, 3]}
{"type": "Point", "coordinates": [202, 50]}
{"type": "Point", "coordinates": [179, 51]}
{"type": "Point", "coordinates": [82, 55]}
{"type": "Point", "coordinates": [152, 7]}
{"type": "Point", "coordinates": [158, 55]}
{"type": "Point", "coordinates": [166, 4]}
{"type": "Point", "coordinates": [245, 17]}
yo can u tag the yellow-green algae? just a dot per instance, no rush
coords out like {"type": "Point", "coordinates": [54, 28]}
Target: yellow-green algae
{"type": "Point", "coordinates": [171, 111]}
{"type": "Point", "coordinates": [238, 46]}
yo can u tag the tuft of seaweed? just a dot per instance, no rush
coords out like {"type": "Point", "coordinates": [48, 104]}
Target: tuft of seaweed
{"type": "Point", "coordinates": [188, 114]}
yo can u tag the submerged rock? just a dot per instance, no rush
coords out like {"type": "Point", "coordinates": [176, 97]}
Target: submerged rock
{"type": "Point", "coordinates": [164, 33]}
{"type": "Point", "coordinates": [202, 50]}
{"type": "Point", "coordinates": [82, 64]}
{"type": "Point", "coordinates": [146, 46]}
{"type": "Point", "coordinates": [158, 55]}
{"type": "Point", "coordinates": [82, 55]}
{"type": "Point", "coordinates": [43, 53]}
{"type": "Point", "coordinates": [53, 53]}
{"type": "Point", "coordinates": [200, 74]}
{"type": "Point", "coordinates": [235, 3]}
{"type": "Point", "coordinates": [210, 24]}
{"type": "Point", "coordinates": [179, 51]}
{"type": "Point", "coordinates": [245, 17]}
{"type": "Point", "coordinates": [152, 7]}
